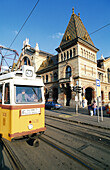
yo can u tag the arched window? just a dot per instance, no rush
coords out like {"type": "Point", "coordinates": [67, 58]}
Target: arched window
{"type": "Point", "coordinates": [26, 61]}
{"type": "Point", "coordinates": [67, 55]}
{"type": "Point", "coordinates": [108, 75]}
{"type": "Point", "coordinates": [64, 56]}
{"type": "Point", "coordinates": [81, 52]}
{"type": "Point", "coordinates": [55, 76]}
{"type": "Point", "coordinates": [74, 52]}
{"type": "Point", "coordinates": [109, 95]}
{"type": "Point", "coordinates": [87, 53]}
{"type": "Point", "coordinates": [61, 57]}
{"type": "Point", "coordinates": [84, 53]}
{"type": "Point", "coordinates": [68, 72]}
{"type": "Point", "coordinates": [93, 57]}
{"type": "Point", "coordinates": [46, 78]}
{"type": "Point", "coordinates": [70, 53]}
{"type": "Point", "coordinates": [50, 77]}
{"type": "Point", "coordinates": [89, 56]}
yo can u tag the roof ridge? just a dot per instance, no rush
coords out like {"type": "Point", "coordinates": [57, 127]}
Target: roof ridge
{"type": "Point", "coordinates": [75, 24]}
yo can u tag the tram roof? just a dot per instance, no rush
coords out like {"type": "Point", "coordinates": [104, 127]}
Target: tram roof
{"type": "Point", "coordinates": [26, 73]}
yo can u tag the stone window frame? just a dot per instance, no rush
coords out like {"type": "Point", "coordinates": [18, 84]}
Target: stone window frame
{"type": "Point", "coordinates": [68, 73]}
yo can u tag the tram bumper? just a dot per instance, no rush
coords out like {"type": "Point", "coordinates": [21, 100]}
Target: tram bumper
{"type": "Point", "coordinates": [19, 134]}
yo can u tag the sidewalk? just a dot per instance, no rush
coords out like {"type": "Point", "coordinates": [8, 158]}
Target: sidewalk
{"type": "Point", "coordinates": [81, 117]}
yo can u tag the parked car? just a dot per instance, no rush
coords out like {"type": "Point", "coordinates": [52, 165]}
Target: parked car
{"type": "Point", "coordinates": [52, 105]}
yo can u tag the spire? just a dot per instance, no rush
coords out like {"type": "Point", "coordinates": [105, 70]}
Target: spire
{"type": "Point", "coordinates": [79, 14]}
{"type": "Point", "coordinates": [73, 10]}
{"type": "Point", "coordinates": [75, 29]}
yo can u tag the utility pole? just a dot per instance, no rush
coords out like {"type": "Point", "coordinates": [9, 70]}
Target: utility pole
{"type": "Point", "coordinates": [99, 100]}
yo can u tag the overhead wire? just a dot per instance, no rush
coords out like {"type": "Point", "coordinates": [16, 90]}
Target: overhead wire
{"type": "Point", "coordinates": [99, 29]}
{"type": "Point", "coordinates": [21, 28]}
{"type": "Point", "coordinates": [31, 14]}
{"type": "Point", "coordinates": [24, 23]}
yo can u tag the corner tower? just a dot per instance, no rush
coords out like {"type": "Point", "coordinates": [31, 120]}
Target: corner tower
{"type": "Point", "coordinates": [77, 61]}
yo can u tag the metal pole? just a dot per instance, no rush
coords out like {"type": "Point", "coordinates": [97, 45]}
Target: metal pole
{"type": "Point", "coordinates": [101, 111]}
{"type": "Point", "coordinates": [98, 109]}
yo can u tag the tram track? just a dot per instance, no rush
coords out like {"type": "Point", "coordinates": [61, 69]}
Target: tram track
{"type": "Point", "coordinates": [76, 122]}
{"type": "Point", "coordinates": [95, 141]}
{"type": "Point", "coordinates": [96, 135]}
{"type": "Point", "coordinates": [67, 153]}
{"type": "Point", "coordinates": [86, 161]}
{"type": "Point", "coordinates": [13, 159]}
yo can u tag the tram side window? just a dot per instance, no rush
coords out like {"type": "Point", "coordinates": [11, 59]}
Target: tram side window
{"type": "Point", "coordinates": [7, 94]}
{"type": "Point", "coordinates": [0, 94]}
{"type": "Point", "coordinates": [28, 94]}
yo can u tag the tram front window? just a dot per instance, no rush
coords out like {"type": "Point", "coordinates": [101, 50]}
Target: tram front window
{"type": "Point", "coordinates": [28, 94]}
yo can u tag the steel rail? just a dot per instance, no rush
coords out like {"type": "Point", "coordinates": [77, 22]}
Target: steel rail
{"type": "Point", "coordinates": [14, 161]}
{"type": "Point", "coordinates": [97, 139]}
{"type": "Point", "coordinates": [67, 153]}
{"type": "Point", "coordinates": [78, 122]}
{"type": "Point", "coordinates": [72, 123]}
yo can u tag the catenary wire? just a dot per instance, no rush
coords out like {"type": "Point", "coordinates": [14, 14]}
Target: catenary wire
{"type": "Point", "coordinates": [24, 23]}
{"type": "Point", "coordinates": [99, 29]}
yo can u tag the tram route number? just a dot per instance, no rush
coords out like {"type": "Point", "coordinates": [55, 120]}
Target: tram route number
{"type": "Point", "coordinates": [30, 111]}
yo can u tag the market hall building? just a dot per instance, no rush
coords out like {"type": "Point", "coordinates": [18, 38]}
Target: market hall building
{"type": "Point", "coordinates": [75, 64]}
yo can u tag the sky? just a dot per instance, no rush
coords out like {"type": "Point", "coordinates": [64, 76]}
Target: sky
{"type": "Point", "coordinates": [49, 20]}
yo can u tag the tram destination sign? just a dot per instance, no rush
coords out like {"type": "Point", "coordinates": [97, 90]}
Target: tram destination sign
{"type": "Point", "coordinates": [30, 111]}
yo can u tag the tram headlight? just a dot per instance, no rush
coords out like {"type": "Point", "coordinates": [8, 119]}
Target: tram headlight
{"type": "Point", "coordinates": [30, 126]}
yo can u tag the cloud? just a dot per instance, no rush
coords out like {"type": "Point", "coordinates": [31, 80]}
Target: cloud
{"type": "Point", "coordinates": [57, 35]}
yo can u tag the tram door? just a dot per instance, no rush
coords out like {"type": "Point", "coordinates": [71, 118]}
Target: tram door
{"type": "Point", "coordinates": [5, 113]}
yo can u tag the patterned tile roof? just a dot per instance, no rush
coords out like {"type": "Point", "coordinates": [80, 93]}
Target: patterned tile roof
{"type": "Point", "coordinates": [74, 30]}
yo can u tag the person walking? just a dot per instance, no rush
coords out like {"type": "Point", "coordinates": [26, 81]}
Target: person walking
{"type": "Point", "coordinates": [94, 107]}
{"type": "Point", "coordinates": [83, 101]}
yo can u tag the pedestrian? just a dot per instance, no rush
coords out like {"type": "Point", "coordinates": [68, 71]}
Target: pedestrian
{"type": "Point", "coordinates": [83, 101]}
{"type": "Point", "coordinates": [94, 107]}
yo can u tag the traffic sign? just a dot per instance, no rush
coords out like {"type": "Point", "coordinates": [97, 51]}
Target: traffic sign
{"type": "Point", "coordinates": [98, 82]}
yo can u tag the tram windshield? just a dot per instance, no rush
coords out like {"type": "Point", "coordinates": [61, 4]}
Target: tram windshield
{"type": "Point", "coordinates": [28, 94]}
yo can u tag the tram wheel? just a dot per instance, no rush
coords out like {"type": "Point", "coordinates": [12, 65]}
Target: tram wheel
{"type": "Point", "coordinates": [36, 143]}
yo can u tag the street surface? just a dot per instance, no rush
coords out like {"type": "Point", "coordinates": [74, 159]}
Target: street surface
{"type": "Point", "coordinates": [4, 162]}
{"type": "Point", "coordinates": [87, 144]}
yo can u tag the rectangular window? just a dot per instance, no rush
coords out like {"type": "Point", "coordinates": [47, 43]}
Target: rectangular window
{"type": "Point", "coordinates": [46, 78]}
{"type": "Point", "coordinates": [7, 94]}
{"type": "Point", "coordinates": [1, 86]}
{"type": "Point", "coordinates": [28, 94]}
{"type": "Point", "coordinates": [85, 69]}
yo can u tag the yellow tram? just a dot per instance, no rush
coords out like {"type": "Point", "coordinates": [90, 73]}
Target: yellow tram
{"type": "Point", "coordinates": [22, 105]}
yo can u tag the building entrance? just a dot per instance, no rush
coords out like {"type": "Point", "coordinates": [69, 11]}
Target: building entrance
{"type": "Point", "coordinates": [55, 94]}
{"type": "Point", "coordinates": [68, 95]}
{"type": "Point", "coordinates": [89, 95]}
